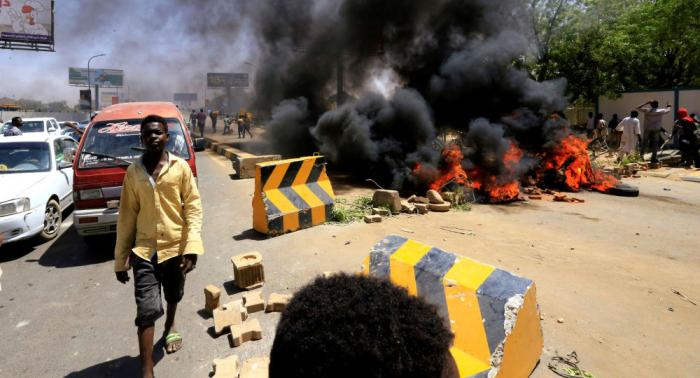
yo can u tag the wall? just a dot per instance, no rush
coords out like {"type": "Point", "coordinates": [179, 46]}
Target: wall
{"type": "Point", "coordinates": [678, 98]}
{"type": "Point", "coordinates": [60, 117]}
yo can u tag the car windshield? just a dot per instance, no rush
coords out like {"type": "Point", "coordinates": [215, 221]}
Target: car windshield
{"type": "Point", "coordinates": [24, 157]}
{"type": "Point", "coordinates": [110, 143]}
{"type": "Point", "coordinates": [32, 127]}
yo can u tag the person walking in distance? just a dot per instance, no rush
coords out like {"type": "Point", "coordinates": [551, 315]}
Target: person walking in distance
{"type": "Point", "coordinates": [631, 134]}
{"type": "Point", "coordinates": [590, 125]}
{"type": "Point", "coordinates": [688, 141]}
{"type": "Point", "coordinates": [156, 236]}
{"type": "Point", "coordinates": [652, 126]}
{"type": "Point", "coordinates": [193, 120]}
{"type": "Point", "coordinates": [201, 120]}
{"type": "Point", "coordinates": [614, 135]}
{"type": "Point", "coordinates": [214, 115]}
{"type": "Point", "coordinates": [246, 125]}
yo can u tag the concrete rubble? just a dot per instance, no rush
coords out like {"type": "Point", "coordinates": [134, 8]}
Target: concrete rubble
{"type": "Point", "coordinates": [387, 198]}
{"type": "Point", "coordinates": [373, 219]}
{"type": "Point", "coordinates": [253, 302]}
{"type": "Point", "coordinates": [248, 270]}
{"type": "Point", "coordinates": [226, 368]}
{"type": "Point", "coordinates": [256, 368]}
{"type": "Point", "coordinates": [250, 330]}
{"type": "Point", "coordinates": [212, 299]}
{"type": "Point", "coordinates": [224, 319]}
{"type": "Point", "coordinates": [277, 302]}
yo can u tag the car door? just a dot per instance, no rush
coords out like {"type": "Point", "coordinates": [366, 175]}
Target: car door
{"type": "Point", "coordinates": [55, 126]}
{"type": "Point", "coordinates": [63, 178]}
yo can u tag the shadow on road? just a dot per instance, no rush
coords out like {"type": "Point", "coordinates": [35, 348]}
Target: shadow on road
{"type": "Point", "coordinates": [250, 234]}
{"type": "Point", "coordinates": [126, 366]}
{"type": "Point", "coordinates": [71, 250]}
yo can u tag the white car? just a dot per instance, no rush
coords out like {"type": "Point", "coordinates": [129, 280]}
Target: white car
{"type": "Point", "coordinates": [36, 177]}
{"type": "Point", "coordinates": [45, 125]}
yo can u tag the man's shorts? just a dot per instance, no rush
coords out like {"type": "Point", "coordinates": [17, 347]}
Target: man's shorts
{"type": "Point", "coordinates": [149, 276]}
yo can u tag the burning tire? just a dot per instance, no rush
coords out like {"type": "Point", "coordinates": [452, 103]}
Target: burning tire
{"type": "Point", "coordinates": [624, 191]}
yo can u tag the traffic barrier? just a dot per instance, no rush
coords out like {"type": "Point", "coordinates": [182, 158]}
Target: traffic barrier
{"type": "Point", "coordinates": [291, 195]}
{"type": "Point", "coordinates": [242, 162]}
{"type": "Point", "coordinates": [492, 313]}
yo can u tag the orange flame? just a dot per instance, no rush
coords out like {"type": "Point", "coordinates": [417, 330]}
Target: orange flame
{"type": "Point", "coordinates": [494, 190]}
{"type": "Point", "coordinates": [579, 172]}
{"type": "Point", "coordinates": [452, 169]}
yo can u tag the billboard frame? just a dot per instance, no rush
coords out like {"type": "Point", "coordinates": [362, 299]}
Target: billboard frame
{"type": "Point", "coordinates": [229, 78]}
{"type": "Point", "coordinates": [26, 45]}
{"type": "Point", "coordinates": [95, 70]}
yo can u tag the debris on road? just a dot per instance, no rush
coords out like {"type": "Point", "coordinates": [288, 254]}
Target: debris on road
{"type": "Point", "coordinates": [674, 291]}
{"type": "Point", "coordinates": [248, 270]}
{"type": "Point", "coordinates": [380, 211]}
{"type": "Point", "coordinates": [256, 368]}
{"type": "Point", "coordinates": [440, 207]}
{"type": "Point", "coordinates": [435, 197]}
{"type": "Point", "coordinates": [212, 299]}
{"type": "Point", "coordinates": [422, 208]}
{"type": "Point", "coordinates": [568, 366]}
{"type": "Point", "coordinates": [373, 219]}
{"type": "Point", "coordinates": [277, 302]}
{"type": "Point", "coordinates": [387, 198]}
{"type": "Point", "coordinates": [226, 368]}
{"type": "Point", "coordinates": [253, 302]}
{"type": "Point", "coordinates": [247, 331]}
{"type": "Point", "coordinates": [224, 319]}
{"type": "Point", "coordinates": [406, 230]}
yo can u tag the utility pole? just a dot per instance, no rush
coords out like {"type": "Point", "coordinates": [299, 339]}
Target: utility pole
{"type": "Point", "coordinates": [88, 85]}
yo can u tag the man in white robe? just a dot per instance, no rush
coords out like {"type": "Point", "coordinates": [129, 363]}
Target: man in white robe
{"type": "Point", "coordinates": [631, 134]}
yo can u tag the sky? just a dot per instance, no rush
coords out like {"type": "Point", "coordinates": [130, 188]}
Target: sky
{"type": "Point", "coordinates": [162, 46]}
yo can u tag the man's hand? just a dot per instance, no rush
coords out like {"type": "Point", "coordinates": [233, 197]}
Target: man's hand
{"type": "Point", "coordinates": [122, 277]}
{"type": "Point", "coordinates": [188, 263]}
{"type": "Point", "coordinates": [668, 104]}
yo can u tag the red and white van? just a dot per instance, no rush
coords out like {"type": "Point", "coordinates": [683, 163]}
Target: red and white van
{"type": "Point", "coordinates": [109, 145]}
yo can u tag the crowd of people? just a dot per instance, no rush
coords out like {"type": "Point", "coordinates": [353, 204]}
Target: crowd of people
{"type": "Point", "coordinates": [626, 134]}
{"type": "Point", "coordinates": [243, 120]}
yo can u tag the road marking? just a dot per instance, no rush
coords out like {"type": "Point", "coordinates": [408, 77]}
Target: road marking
{"type": "Point", "coordinates": [218, 158]}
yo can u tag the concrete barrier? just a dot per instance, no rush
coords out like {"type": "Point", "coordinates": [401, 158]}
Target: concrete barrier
{"type": "Point", "coordinates": [492, 313]}
{"type": "Point", "coordinates": [242, 162]}
{"type": "Point", "coordinates": [291, 195]}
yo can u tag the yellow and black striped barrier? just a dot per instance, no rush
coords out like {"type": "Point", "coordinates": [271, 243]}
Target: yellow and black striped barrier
{"type": "Point", "coordinates": [291, 195]}
{"type": "Point", "coordinates": [493, 313]}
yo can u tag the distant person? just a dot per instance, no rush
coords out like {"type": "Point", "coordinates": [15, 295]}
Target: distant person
{"type": "Point", "coordinates": [201, 120]}
{"type": "Point", "coordinates": [193, 120]}
{"type": "Point", "coordinates": [652, 126]}
{"type": "Point", "coordinates": [17, 123]}
{"type": "Point", "coordinates": [590, 125]}
{"type": "Point", "coordinates": [631, 134]}
{"type": "Point", "coordinates": [246, 125]}
{"type": "Point", "coordinates": [241, 124]}
{"type": "Point", "coordinates": [362, 327]}
{"type": "Point", "coordinates": [614, 135]}
{"type": "Point", "coordinates": [227, 124]}
{"type": "Point", "coordinates": [213, 117]}
{"type": "Point", "coordinates": [158, 235]}
{"type": "Point", "coordinates": [688, 141]}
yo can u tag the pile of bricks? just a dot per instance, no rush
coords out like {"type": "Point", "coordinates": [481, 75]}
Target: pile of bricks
{"type": "Point", "coordinates": [233, 316]}
{"type": "Point", "coordinates": [388, 201]}
{"type": "Point", "coordinates": [536, 194]}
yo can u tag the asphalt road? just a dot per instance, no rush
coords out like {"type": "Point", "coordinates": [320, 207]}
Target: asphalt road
{"type": "Point", "coordinates": [63, 313]}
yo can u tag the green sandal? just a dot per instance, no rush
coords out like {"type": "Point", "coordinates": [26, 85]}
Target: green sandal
{"type": "Point", "coordinates": [171, 338]}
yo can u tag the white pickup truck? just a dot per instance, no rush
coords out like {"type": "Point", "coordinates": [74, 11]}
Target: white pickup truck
{"type": "Point", "coordinates": [46, 125]}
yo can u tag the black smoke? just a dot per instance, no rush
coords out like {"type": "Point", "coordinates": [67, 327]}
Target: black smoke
{"type": "Point", "coordinates": [453, 63]}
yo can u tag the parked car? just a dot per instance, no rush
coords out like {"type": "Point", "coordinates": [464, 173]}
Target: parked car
{"type": "Point", "coordinates": [45, 125]}
{"type": "Point", "coordinates": [110, 144]}
{"type": "Point", "coordinates": [36, 177]}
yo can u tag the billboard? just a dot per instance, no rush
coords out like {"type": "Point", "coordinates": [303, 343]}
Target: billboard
{"type": "Point", "coordinates": [26, 24]}
{"type": "Point", "coordinates": [85, 100]}
{"type": "Point", "coordinates": [223, 80]}
{"type": "Point", "coordinates": [184, 97]}
{"type": "Point", "coordinates": [98, 76]}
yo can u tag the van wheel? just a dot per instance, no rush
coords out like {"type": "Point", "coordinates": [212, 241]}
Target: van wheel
{"type": "Point", "coordinates": [52, 221]}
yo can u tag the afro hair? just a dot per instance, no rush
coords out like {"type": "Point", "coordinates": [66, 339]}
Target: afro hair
{"type": "Point", "coordinates": [359, 326]}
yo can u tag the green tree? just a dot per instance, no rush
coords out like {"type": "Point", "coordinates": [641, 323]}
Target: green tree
{"type": "Point", "coordinates": [58, 106]}
{"type": "Point", "coordinates": [29, 104]}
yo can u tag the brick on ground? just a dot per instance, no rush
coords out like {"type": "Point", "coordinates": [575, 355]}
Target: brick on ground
{"type": "Point", "coordinates": [226, 367]}
{"type": "Point", "coordinates": [373, 219]}
{"type": "Point", "coordinates": [408, 206]}
{"type": "Point", "coordinates": [422, 208]}
{"type": "Point", "coordinates": [277, 302]}
{"type": "Point", "coordinates": [253, 302]}
{"type": "Point", "coordinates": [388, 198]}
{"type": "Point", "coordinates": [212, 297]}
{"type": "Point", "coordinates": [237, 305]}
{"type": "Point", "coordinates": [256, 368]}
{"type": "Point", "coordinates": [247, 331]}
{"type": "Point", "coordinates": [378, 211]}
{"type": "Point", "coordinates": [224, 319]}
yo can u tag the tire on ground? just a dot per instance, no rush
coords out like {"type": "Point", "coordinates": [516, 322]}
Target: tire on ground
{"type": "Point", "coordinates": [624, 191]}
{"type": "Point", "coordinates": [44, 235]}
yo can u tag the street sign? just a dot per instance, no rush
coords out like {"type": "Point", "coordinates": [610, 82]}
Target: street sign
{"type": "Point", "coordinates": [98, 76]}
{"type": "Point", "coordinates": [224, 80]}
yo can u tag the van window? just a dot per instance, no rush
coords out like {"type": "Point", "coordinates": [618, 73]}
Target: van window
{"type": "Point", "coordinates": [113, 143]}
